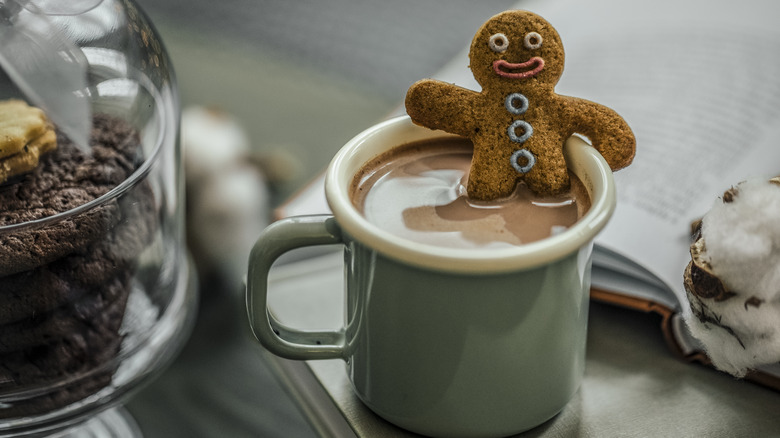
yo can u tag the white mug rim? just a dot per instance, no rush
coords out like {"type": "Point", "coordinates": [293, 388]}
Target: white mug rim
{"type": "Point", "coordinates": [581, 158]}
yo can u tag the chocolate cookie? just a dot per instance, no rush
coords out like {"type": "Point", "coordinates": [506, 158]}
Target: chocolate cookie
{"type": "Point", "coordinates": [49, 286]}
{"type": "Point", "coordinates": [82, 342]}
{"type": "Point", "coordinates": [64, 180]}
{"type": "Point", "coordinates": [84, 322]}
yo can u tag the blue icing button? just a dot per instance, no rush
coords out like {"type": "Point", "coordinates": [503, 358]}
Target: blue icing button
{"type": "Point", "coordinates": [527, 131]}
{"type": "Point", "coordinates": [516, 103]}
{"type": "Point", "coordinates": [530, 160]}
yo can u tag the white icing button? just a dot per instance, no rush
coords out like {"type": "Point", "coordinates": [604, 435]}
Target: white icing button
{"type": "Point", "coordinates": [498, 43]}
{"type": "Point", "coordinates": [509, 103]}
{"type": "Point", "coordinates": [527, 131]}
{"type": "Point", "coordinates": [532, 40]}
{"type": "Point", "coordinates": [529, 157]}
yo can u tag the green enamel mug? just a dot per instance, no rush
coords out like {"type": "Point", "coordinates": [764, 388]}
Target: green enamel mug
{"type": "Point", "coordinates": [440, 341]}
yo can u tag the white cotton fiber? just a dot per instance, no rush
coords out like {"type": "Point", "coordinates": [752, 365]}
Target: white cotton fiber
{"type": "Point", "coordinates": [741, 236]}
{"type": "Point", "coordinates": [227, 193]}
{"type": "Point", "coordinates": [743, 239]}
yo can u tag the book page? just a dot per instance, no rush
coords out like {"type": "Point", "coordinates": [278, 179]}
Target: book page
{"type": "Point", "coordinates": [697, 82]}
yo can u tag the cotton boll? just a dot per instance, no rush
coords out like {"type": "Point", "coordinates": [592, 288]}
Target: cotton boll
{"type": "Point", "coordinates": [725, 352]}
{"type": "Point", "coordinates": [213, 140]}
{"type": "Point", "coordinates": [228, 201]}
{"type": "Point", "coordinates": [733, 280]}
{"type": "Point", "coordinates": [226, 218]}
{"type": "Point", "coordinates": [743, 237]}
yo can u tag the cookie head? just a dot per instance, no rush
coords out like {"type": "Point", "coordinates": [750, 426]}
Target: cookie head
{"type": "Point", "coordinates": [516, 49]}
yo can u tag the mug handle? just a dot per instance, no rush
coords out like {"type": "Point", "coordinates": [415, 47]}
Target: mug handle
{"type": "Point", "coordinates": [278, 238]}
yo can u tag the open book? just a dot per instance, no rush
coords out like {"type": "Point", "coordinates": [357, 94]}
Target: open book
{"type": "Point", "coordinates": [698, 83]}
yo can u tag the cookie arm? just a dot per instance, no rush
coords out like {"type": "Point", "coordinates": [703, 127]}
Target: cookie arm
{"type": "Point", "coordinates": [608, 132]}
{"type": "Point", "coordinates": [440, 105]}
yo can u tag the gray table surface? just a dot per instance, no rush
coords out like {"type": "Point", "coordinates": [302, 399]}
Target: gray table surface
{"type": "Point", "coordinates": [306, 76]}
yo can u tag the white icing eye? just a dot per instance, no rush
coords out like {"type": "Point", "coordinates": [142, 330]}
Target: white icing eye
{"type": "Point", "coordinates": [532, 40]}
{"type": "Point", "coordinates": [498, 42]}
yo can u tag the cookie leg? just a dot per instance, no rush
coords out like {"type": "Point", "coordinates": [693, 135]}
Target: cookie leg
{"type": "Point", "coordinates": [548, 177]}
{"type": "Point", "coordinates": [490, 182]}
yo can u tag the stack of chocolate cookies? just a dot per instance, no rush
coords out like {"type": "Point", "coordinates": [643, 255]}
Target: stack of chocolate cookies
{"type": "Point", "coordinates": [66, 269]}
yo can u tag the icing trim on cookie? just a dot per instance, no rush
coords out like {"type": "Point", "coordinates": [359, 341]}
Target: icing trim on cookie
{"type": "Point", "coordinates": [509, 103]}
{"type": "Point", "coordinates": [532, 40]}
{"type": "Point", "coordinates": [498, 43]}
{"type": "Point", "coordinates": [505, 68]}
{"type": "Point", "coordinates": [528, 130]}
{"type": "Point", "coordinates": [529, 157]}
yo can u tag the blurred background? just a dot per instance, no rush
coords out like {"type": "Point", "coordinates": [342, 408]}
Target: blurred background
{"type": "Point", "coordinates": [300, 78]}
{"type": "Point", "coordinates": [307, 75]}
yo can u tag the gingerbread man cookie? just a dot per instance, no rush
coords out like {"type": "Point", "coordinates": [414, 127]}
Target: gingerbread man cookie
{"type": "Point", "coordinates": [518, 124]}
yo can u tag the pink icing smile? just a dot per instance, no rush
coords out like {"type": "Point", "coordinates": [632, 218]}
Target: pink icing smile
{"type": "Point", "coordinates": [524, 70]}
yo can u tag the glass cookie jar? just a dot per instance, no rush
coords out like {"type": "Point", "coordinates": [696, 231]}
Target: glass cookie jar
{"type": "Point", "coordinates": [96, 291]}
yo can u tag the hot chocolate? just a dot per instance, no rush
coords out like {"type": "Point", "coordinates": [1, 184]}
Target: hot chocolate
{"type": "Point", "coordinates": [417, 191]}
